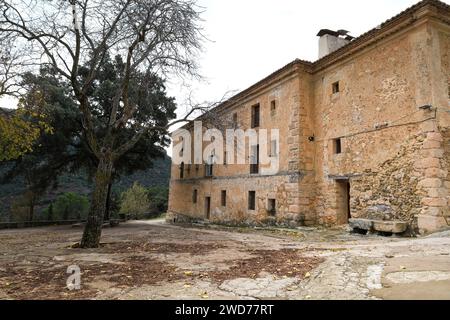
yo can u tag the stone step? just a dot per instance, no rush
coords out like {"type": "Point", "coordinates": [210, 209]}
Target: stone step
{"type": "Point", "coordinates": [379, 225]}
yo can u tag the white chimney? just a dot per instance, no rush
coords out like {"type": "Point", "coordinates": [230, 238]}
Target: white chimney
{"type": "Point", "coordinates": [331, 41]}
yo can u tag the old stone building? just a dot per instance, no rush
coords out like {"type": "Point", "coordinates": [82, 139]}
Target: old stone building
{"type": "Point", "coordinates": [364, 134]}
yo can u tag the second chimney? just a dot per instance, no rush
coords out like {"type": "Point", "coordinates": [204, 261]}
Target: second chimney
{"type": "Point", "coordinates": [331, 41]}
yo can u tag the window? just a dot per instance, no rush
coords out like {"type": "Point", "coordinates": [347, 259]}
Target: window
{"type": "Point", "coordinates": [337, 146]}
{"type": "Point", "coordinates": [254, 160]}
{"type": "Point", "coordinates": [273, 108]}
{"type": "Point", "coordinates": [252, 200]}
{"type": "Point", "coordinates": [209, 167]}
{"type": "Point", "coordinates": [235, 120]}
{"type": "Point", "coordinates": [208, 207]}
{"type": "Point", "coordinates": [273, 148]}
{"type": "Point", "coordinates": [272, 207]}
{"type": "Point", "coordinates": [255, 116]}
{"type": "Point", "coordinates": [335, 87]}
{"type": "Point", "coordinates": [225, 155]}
{"type": "Point", "coordinates": [183, 144]}
{"type": "Point", "coordinates": [194, 196]}
{"type": "Point", "coordinates": [223, 198]}
{"type": "Point", "coordinates": [209, 170]}
{"type": "Point", "coordinates": [182, 170]}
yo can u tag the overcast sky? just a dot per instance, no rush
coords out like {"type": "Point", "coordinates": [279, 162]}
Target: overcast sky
{"type": "Point", "coordinates": [249, 39]}
{"type": "Point", "coordinates": [252, 38]}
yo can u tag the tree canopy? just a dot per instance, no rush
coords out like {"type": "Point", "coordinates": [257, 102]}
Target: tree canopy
{"type": "Point", "coordinates": [65, 149]}
{"type": "Point", "coordinates": [74, 39]}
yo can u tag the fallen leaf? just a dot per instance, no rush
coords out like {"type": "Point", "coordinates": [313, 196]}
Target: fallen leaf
{"type": "Point", "coordinates": [188, 273]}
{"type": "Point", "coordinates": [292, 288]}
{"type": "Point", "coordinates": [307, 275]}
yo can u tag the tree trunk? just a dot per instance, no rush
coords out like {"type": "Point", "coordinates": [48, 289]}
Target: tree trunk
{"type": "Point", "coordinates": [93, 229]}
{"type": "Point", "coordinates": [108, 203]}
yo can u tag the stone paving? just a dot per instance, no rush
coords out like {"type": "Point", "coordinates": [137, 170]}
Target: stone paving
{"type": "Point", "coordinates": [352, 266]}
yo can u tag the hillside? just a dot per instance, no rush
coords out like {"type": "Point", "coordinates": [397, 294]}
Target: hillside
{"type": "Point", "coordinates": [159, 175]}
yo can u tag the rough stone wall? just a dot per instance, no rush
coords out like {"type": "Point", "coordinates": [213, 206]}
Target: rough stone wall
{"type": "Point", "coordinates": [389, 167]}
{"type": "Point", "coordinates": [432, 188]}
{"type": "Point", "coordinates": [292, 107]}
{"type": "Point", "coordinates": [446, 168]}
{"type": "Point", "coordinates": [236, 212]}
{"type": "Point", "coordinates": [444, 41]}
{"type": "Point", "coordinates": [307, 185]}
{"type": "Point", "coordinates": [435, 153]}
{"type": "Point", "coordinates": [377, 87]}
{"type": "Point", "coordinates": [391, 190]}
{"type": "Point", "coordinates": [395, 155]}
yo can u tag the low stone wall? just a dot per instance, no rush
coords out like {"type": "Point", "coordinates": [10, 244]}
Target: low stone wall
{"type": "Point", "coordinates": [174, 218]}
{"type": "Point", "coordinates": [34, 224]}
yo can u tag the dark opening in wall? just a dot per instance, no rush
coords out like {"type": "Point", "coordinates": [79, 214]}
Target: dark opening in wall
{"type": "Point", "coordinates": [208, 207]}
{"type": "Point", "coordinates": [208, 170]}
{"type": "Point", "coordinates": [272, 207]}
{"type": "Point", "coordinates": [209, 167]}
{"type": "Point", "coordinates": [273, 108]}
{"type": "Point", "coordinates": [224, 198]}
{"type": "Point", "coordinates": [255, 116]}
{"type": "Point", "coordinates": [343, 201]}
{"type": "Point", "coordinates": [182, 170]}
{"type": "Point", "coordinates": [194, 196]}
{"type": "Point", "coordinates": [337, 146]}
{"type": "Point", "coordinates": [252, 200]}
{"type": "Point", "coordinates": [182, 147]}
{"type": "Point", "coordinates": [254, 160]}
{"type": "Point", "coordinates": [335, 87]}
{"type": "Point", "coordinates": [235, 120]}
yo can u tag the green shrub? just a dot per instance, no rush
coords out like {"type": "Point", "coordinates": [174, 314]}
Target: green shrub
{"type": "Point", "coordinates": [159, 198]}
{"type": "Point", "coordinates": [20, 210]}
{"type": "Point", "coordinates": [68, 206]}
{"type": "Point", "coordinates": [135, 203]}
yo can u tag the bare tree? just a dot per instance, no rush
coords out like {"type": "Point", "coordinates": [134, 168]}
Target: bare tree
{"type": "Point", "coordinates": [157, 36]}
{"type": "Point", "coordinates": [10, 57]}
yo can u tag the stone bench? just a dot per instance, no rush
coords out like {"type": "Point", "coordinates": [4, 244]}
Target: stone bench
{"type": "Point", "coordinates": [394, 227]}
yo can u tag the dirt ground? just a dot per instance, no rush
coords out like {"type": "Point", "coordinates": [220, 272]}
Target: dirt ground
{"type": "Point", "coordinates": [154, 260]}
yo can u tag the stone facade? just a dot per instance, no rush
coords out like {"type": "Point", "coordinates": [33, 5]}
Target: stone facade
{"type": "Point", "coordinates": [355, 141]}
